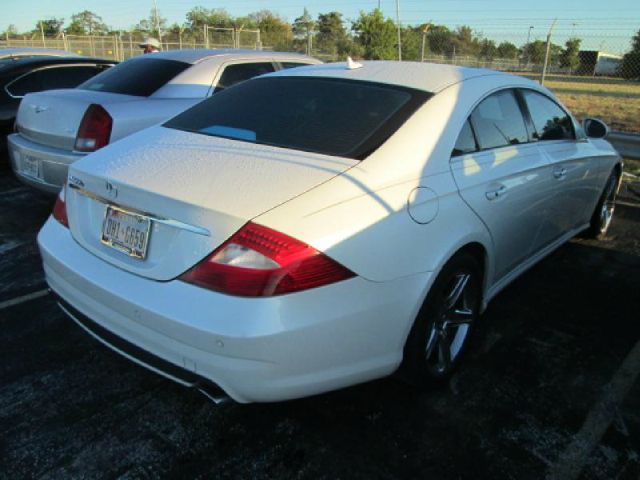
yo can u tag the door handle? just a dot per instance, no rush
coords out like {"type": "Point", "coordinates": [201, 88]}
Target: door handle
{"type": "Point", "coordinates": [560, 173]}
{"type": "Point", "coordinates": [498, 192]}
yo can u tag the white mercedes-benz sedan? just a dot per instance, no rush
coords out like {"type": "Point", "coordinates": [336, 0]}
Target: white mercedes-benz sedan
{"type": "Point", "coordinates": [58, 127]}
{"type": "Point", "coordinates": [323, 226]}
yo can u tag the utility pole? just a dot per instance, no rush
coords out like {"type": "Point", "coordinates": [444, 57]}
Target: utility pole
{"type": "Point", "coordinates": [546, 55]}
{"type": "Point", "coordinates": [527, 46]}
{"type": "Point", "coordinates": [42, 33]}
{"type": "Point", "coordinates": [157, 18]}
{"type": "Point", "coordinates": [424, 39]}
{"type": "Point", "coordinates": [399, 38]}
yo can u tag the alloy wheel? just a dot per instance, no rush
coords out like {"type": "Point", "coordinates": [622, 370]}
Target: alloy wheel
{"type": "Point", "coordinates": [450, 328]}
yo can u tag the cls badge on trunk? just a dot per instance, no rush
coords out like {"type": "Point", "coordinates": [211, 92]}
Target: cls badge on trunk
{"type": "Point", "coordinates": [111, 190]}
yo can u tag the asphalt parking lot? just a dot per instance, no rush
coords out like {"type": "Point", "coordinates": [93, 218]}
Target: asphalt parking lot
{"type": "Point", "coordinates": [549, 388]}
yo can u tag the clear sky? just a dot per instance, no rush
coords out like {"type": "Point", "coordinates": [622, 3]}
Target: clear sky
{"type": "Point", "coordinates": [605, 25]}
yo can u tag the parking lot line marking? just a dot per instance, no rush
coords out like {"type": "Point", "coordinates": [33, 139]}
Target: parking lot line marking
{"type": "Point", "coordinates": [24, 298]}
{"type": "Point", "coordinates": [573, 459]}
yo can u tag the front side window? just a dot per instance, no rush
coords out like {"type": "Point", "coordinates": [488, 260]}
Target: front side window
{"type": "Point", "coordinates": [240, 72]}
{"type": "Point", "coordinates": [550, 121]}
{"type": "Point", "coordinates": [330, 116]}
{"type": "Point", "coordinates": [498, 121]}
{"type": "Point", "coordinates": [139, 77]}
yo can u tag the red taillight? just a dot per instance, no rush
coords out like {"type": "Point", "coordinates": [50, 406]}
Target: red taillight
{"type": "Point", "coordinates": [260, 262]}
{"type": "Point", "coordinates": [60, 208]}
{"type": "Point", "coordinates": [95, 129]}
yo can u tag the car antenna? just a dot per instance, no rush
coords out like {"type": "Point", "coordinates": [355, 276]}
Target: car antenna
{"type": "Point", "coordinates": [351, 65]}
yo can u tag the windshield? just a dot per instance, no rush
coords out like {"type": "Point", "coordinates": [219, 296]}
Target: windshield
{"type": "Point", "coordinates": [330, 116]}
{"type": "Point", "coordinates": [139, 77]}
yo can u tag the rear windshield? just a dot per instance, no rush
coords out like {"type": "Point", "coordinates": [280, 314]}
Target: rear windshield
{"type": "Point", "coordinates": [140, 77]}
{"type": "Point", "coordinates": [331, 116]}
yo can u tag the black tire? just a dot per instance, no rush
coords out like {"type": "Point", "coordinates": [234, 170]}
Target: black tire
{"type": "Point", "coordinates": [425, 362]}
{"type": "Point", "coordinates": [603, 214]}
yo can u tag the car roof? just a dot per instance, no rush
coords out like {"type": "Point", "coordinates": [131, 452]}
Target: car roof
{"type": "Point", "coordinates": [30, 63]}
{"type": "Point", "coordinates": [26, 51]}
{"type": "Point", "coordinates": [196, 55]}
{"type": "Point", "coordinates": [430, 77]}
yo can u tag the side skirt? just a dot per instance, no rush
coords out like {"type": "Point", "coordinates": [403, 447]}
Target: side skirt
{"type": "Point", "coordinates": [527, 264]}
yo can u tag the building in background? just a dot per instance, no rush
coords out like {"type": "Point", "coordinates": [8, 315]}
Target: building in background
{"type": "Point", "coordinates": [593, 62]}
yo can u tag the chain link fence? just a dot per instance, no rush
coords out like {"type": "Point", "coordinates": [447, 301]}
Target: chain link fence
{"type": "Point", "coordinates": [125, 45]}
{"type": "Point", "coordinates": [591, 78]}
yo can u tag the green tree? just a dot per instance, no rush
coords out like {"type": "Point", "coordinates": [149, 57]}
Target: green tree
{"type": "Point", "coordinates": [86, 23]}
{"type": "Point", "coordinates": [332, 36]}
{"type": "Point", "coordinates": [440, 40]}
{"type": "Point", "coordinates": [274, 30]}
{"type": "Point", "coordinates": [148, 25]}
{"type": "Point", "coordinates": [507, 50]}
{"type": "Point", "coordinates": [51, 27]}
{"type": "Point", "coordinates": [569, 56]}
{"type": "Point", "coordinates": [630, 66]}
{"type": "Point", "coordinates": [11, 31]}
{"type": "Point", "coordinates": [303, 28]}
{"type": "Point", "coordinates": [304, 25]}
{"type": "Point", "coordinates": [411, 43]}
{"type": "Point", "coordinates": [488, 49]}
{"type": "Point", "coordinates": [197, 17]}
{"type": "Point", "coordinates": [466, 42]}
{"type": "Point", "coordinates": [376, 35]}
{"type": "Point", "coordinates": [534, 52]}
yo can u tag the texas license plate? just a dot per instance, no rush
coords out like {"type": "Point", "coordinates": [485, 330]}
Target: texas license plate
{"type": "Point", "coordinates": [30, 166]}
{"type": "Point", "coordinates": [126, 231]}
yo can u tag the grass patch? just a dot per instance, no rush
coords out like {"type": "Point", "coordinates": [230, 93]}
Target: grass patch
{"type": "Point", "coordinates": [632, 166]}
{"type": "Point", "coordinates": [613, 100]}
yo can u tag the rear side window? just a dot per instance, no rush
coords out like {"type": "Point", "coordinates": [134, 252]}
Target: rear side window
{"type": "Point", "coordinates": [240, 72]}
{"type": "Point", "coordinates": [335, 117]}
{"type": "Point", "coordinates": [466, 142]}
{"type": "Point", "coordinates": [52, 78]}
{"type": "Point", "coordinates": [550, 121]}
{"type": "Point", "coordinates": [139, 77]}
{"type": "Point", "coordinates": [286, 65]}
{"type": "Point", "coordinates": [498, 121]}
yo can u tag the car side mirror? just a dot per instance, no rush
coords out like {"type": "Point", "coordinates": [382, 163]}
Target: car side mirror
{"type": "Point", "coordinates": [595, 128]}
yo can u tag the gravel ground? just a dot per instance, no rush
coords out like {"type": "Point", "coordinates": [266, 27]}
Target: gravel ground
{"type": "Point", "coordinates": [547, 389]}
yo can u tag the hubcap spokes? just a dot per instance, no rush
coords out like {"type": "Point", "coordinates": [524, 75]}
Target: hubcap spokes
{"type": "Point", "coordinates": [448, 332]}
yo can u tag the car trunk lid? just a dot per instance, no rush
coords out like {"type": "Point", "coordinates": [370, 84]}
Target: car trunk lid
{"type": "Point", "coordinates": [52, 118]}
{"type": "Point", "coordinates": [197, 190]}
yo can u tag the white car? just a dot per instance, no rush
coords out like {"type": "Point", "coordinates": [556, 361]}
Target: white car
{"type": "Point", "coordinates": [58, 127]}
{"type": "Point", "coordinates": [323, 226]}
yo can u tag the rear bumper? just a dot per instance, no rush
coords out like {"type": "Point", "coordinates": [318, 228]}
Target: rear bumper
{"type": "Point", "coordinates": [53, 163]}
{"type": "Point", "coordinates": [255, 349]}
{"type": "Point", "coordinates": [131, 351]}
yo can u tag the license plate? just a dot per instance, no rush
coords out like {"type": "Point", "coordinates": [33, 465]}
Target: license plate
{"type": "Point", "coordinates": [30, 166]}
{"type": "Point", "coordinates": [126, 231]}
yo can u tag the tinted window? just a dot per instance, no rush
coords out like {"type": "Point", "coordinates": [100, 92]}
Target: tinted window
{"type": "Point", "coordinates": [51, 78]}
{"type": "Point", "coordinates": [140, 76]}
{"type": "Point", "coordinates": [466, 142]}
{"type": "Point", "coordinates": [286, 65]}
{"type": "Point", "coordinates": [330, 116]}
{"type": "Point", "coordinates": [549, 120]}
{"type": "Point", "coordinates": [233, 74]}
{"type": "Point", "coordinates": [498, 121]}
{"type": "Point", "coordinates": [67, 77]}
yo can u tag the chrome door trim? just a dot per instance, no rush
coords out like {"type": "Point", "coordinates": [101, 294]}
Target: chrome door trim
{"type": "Point", "coordinates": [154, 218]}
